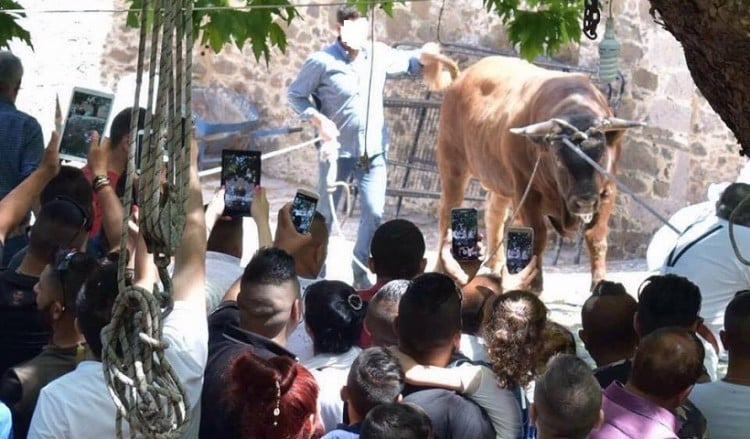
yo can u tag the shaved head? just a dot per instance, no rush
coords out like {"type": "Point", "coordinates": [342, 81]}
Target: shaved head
{"type": "Point", "coordinates": [269, 293]}
{"type": "Point", "coordinates": [607, 320]}
{"type": "Point", "coordinates": [382, 312]}
{"type": "Point", "coordinates": [476, 293]}
{"type": "Point", "coordinates": [567, 399]}
{"type": "Point", "coordinates": [668, 361]}
{"type": "Point", "coordinates": [736, 334]}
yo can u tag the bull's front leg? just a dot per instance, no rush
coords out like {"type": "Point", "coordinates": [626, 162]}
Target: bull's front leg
{"type": "Point", "coordinates": [532, 217]}
{"type": "Point", "coordinates": [496, 211]}
{"type": "Point", "coordinates": [595, 235]}
{"type": "Point", "coordinates": [453, 180]}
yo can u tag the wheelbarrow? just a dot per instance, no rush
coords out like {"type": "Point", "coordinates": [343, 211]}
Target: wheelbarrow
{"type": "Point", "coordinates": [224, 119]}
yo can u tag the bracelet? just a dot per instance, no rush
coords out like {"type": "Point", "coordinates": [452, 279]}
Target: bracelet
{"type": "Point", "coordinates": [99, 182]}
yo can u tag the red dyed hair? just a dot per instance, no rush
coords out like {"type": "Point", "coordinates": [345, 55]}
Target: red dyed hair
{"type": "Point", "coordinates": [253, 394]}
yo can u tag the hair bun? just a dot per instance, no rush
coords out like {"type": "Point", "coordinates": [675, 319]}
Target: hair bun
{"type": "Point", "coordinates": [355, 301]}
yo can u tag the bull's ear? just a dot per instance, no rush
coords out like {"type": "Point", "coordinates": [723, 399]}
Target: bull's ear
{"type": "Point", "coordinates": [614, 137]}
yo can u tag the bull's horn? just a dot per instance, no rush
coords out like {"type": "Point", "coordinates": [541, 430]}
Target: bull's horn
{"type": "Point", "coordinates": [540, 129]}
{"type": "Point", "coordinates": [616, 124]}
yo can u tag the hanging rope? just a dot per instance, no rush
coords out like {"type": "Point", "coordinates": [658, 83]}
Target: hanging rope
{"type": "Point", "coordinates": [143, 386]}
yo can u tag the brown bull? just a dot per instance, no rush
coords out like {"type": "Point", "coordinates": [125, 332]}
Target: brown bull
{"type": "Point", "coordinates": [479, 110]}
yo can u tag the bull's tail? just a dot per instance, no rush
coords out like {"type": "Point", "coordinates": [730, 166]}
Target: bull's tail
{"type": "Point", "coordinates": [434, 76]}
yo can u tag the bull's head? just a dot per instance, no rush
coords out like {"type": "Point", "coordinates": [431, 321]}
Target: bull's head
{"type": "Point", "coordinates": [579, 182]}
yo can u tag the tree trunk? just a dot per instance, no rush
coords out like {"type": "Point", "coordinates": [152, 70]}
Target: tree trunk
{"type": "Point", "coordinates": [715, 35]}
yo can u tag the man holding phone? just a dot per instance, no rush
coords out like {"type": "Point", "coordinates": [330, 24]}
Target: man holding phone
{"type": "Point", "coordinates": [346, 81]}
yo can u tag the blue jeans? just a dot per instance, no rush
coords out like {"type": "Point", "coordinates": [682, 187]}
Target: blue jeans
{"type": "Point", "coordinates": [371, 186]}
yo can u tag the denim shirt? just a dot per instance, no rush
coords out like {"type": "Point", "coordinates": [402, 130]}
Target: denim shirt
{"type": "Point", "coordinates": [21, 146]}
{"type": "Point", "coordinates": [338, 86]}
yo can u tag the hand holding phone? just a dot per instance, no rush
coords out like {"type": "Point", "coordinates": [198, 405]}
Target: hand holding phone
{"type": "Point", "coordinates": [464, 240]}
{"type": "Point", "coordinates": [519, 248]}
{"type": "Point", "coordinates": [88, 112]}
{"type": "Point", "coordinates": [240, 174]}
{"type": "Point", "coordinates": [303, 210]}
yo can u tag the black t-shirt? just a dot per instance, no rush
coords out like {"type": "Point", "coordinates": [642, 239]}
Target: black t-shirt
{"type": "Point", "coordinates": [226, 340]}
{"type": "Point", "coordinates": [618, 371]}
{"type": "Point", "coordinates": [22, 331]}
{"type": "Point", "coordinates": [452, 415]}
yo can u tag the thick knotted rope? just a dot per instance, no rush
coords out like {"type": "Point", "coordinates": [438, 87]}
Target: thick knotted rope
{"type": "Point", "coordinates": [143, 386]}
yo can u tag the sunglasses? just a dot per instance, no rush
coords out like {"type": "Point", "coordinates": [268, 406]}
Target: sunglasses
{"type": "Point", "coordinates": [86, 222]}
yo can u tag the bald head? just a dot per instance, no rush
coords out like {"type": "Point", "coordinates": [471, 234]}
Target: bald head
{"type": "Point", "coordinates": [736, 334]}
{"type": "Point", "coordinates": [567, 399]}
{"type": "Point", "coordinates": [607, 321]}
{"type": "Point", "coordinates": [382, 312]}
{"type": "Point", "coordinates": [667, 363]}
{"type": "Point", "coordinates": [475, 295]}
{"type": "Point", "coordinates": [11, 72]}
{"type": "Point", "coordinates": [269, 294]}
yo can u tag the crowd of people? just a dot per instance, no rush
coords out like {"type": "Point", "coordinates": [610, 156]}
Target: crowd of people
{"type": "Point", "coordinates": [275, 350]}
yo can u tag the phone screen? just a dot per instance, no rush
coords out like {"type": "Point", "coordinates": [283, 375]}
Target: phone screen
{"type": "Point", "coordinates": [240, 173]}
{"type": "Point", "coordinates": [518, 249]}
{"type": "Point", "coordinates": [464, 228]}
{"type": "Point", "coordinates": [303, 210]}
{"type": "Point", "coordinates": [89, 111]}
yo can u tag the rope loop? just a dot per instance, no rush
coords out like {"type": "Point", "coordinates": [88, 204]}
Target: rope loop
{"type": "Point", "coordinates": [145, 389]}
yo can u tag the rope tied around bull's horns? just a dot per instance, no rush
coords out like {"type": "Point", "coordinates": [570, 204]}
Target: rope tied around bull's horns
{"type": "Point", "coordinates": [145, 389]}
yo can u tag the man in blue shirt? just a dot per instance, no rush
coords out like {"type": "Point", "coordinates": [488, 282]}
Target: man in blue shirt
{"type": "Point", "coordinates": [21, 142]}
{"type": "Point", "coordinates": [345, 81]}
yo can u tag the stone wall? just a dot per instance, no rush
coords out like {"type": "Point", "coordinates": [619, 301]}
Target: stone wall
{"type": "Point", "coordinates": [669, 163]}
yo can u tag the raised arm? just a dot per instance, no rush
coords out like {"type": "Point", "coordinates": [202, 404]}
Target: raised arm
{"type": "Point", "coordinates": [260, 211]}
{"type": "Point", "coordinates": [18, 203]}
{"type": "Point", "coordinates": [433, 376]}
{"type": "Point", "coordinates": [112, 210]}
{"type": "Point", "coordinates": [190, 259]}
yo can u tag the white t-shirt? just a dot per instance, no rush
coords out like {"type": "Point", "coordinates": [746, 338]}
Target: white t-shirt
{"type": "Point", "coordinates": [704, 255]}
{"type": "Point", "coordinates": [331, 372]}
{"type": "Point", "coordinates": [78, 404]}
{"type": "Point", "coordinates": [299, 342]}
{"type": "Point", "coordinates": [474, 348]}
{"type": "Point", "coordinates": [725, 407]}
{"type": "Point", "coordinates": [222, 271]}
{"type": "Point", "coordinates": [500, 404]}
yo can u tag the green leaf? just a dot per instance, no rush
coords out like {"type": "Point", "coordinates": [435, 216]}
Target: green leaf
{"type": "Point", "coordinates": [9, 27]}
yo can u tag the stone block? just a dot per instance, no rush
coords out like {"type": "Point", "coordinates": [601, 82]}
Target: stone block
{"type": "Point", "coordinates": [670, 115]}
{"type": "Point", "coordinates": [638, 155]}
{"type": "Point", "coordinates": [645, 79]}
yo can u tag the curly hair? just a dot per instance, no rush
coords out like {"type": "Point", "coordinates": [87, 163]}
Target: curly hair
{"type": "Point", "coordinates": [513, 329]}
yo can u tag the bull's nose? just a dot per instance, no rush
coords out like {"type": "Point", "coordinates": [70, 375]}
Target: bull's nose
{"type": "Point", "coordinates": [586, 204]}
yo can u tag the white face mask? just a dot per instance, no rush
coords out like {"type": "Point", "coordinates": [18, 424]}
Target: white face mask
{"type": "Point", "coordinates": [355, 33]}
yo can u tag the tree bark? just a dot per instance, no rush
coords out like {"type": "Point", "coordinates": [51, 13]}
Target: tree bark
{"type": "Point", "coordinates": [715, 35]}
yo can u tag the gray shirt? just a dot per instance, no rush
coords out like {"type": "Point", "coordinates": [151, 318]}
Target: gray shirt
{"type": "Point", "coordinates": [339, 87]}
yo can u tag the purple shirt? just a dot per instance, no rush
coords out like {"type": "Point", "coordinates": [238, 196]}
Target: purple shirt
{"type": "Point", "coordinates": [627, 415]}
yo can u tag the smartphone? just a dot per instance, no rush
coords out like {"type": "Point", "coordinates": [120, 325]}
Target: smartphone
{"type": "Point", "coordinates": [89, 111]}
{"type": "Point", "coordinates": [464, 239]}
{"type": "Point", "coordinates": [303, 210]}
{"type": "Point", "coordinates": [519, 248]}
{"type": "Point", "coordinates": [240, 173]}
